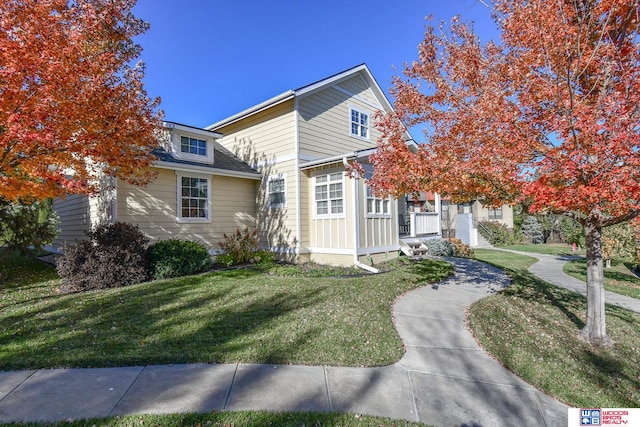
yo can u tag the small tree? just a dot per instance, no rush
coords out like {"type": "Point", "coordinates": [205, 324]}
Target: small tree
{"type": "Point", "coordinates": [71, 98]}
{"type": "Point", "coordinates": [548, 115]}
{"type": "Point", "coordinates": [532, 230]}
{"type": "Point", "coordinates": [27, 224]}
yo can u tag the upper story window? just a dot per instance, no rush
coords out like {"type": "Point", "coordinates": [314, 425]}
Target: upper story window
{"type": "Point", "coordinates": [359, 124]}
{"type": "Point", "coordinates": [329, 197]}
{"type": "Point", "coordinates": [375, 205]}
{"type": "Point", "coordinates": [194, 194]}
{"type": "Point", "coordinates": [276, 191]}
{"type": "Point", "coordinates": [193, 146]}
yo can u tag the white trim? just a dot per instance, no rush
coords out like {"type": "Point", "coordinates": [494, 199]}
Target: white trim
{"type": "Point", "coordinates": [378, 250]}
{"type": "Point", "coordinates": [329, 215]}
{"type": "Point", "coordinates": [357, 97]}
{"type": "Point", "coordinates": [286, 158]}
{"type": "Point", "coordinates": [333, 251]}
{"type": "Point", "coordinates": [360, 112]}
{"type": "Point", "coordinates": [278, 99]}
{"type": "Point", "coordinates": [296, 124]}
{"type": "Point", "coordinates": [197, 131]}
{"type": "Point", "coordinates": [175, 136]}
{"type": "Point", "coordinates": [270, 178]}
{"type": "Point", "coordinates": [179, 218]}
{"type": "Point", "coordinates": [206, 170]}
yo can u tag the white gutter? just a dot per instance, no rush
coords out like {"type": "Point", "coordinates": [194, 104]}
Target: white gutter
{"type": "Point", "coordinates": [296, 127]}
{"type": "Point", "coordinates": [160, 164]}
{"type": "Point", "coordinates": [356, 228]}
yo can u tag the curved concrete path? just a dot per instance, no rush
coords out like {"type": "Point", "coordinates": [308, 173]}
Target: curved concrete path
{"type": "Point", "coordinates": [549, 268]}
{"type": "Point", "coordinates": [444, 378]}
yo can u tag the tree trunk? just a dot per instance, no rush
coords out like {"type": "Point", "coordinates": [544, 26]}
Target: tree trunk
{"type": "Point", "coordinates": [595, 330]}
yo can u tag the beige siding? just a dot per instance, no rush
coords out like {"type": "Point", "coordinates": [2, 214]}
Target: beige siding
{"type": "Point", "coordinates": [325, 124]}
{"type": "Point", "coordinates": [332, 259]}
{"type": "Point", "coordinates": [267, 141]}
{"type": "Point", "coordinates": [377, 232]}
{"type": "Point", "coordinates": [359, 88]}
{"type": "Point", "coordinates": [153, 208]}
{"type": "Point", "coordinates": [331, 232]}
{"type": "Point", "coordinates": [277, 226]}
{"type": "Point", "coordinates": [74, 219]}
{"type": "Point", "coordinates": [262, 138]}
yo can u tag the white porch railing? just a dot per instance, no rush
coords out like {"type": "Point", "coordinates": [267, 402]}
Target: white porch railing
{"type": "Point", "coordinates": [423, 223]}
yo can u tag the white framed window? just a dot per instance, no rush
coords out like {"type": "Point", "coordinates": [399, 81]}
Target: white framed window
{"type": "Point", "coordinates": [495, 213]}
{"type": "Point", "coordinates": [377, 206]}
{"type": "Point", "coordinates": [276, 191]}
{"type": "Point", "coordinates": [329, 194]}
{"type": "Point", "coordinates": [193, 146]}
{"type": "Point", "coordinates": [194, 198]}
{"type": "Point", "coordinates": [359, 123]}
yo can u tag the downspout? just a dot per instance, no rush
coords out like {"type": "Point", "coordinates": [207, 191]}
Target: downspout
{"type": "Point", "coordinates": [356, 228]}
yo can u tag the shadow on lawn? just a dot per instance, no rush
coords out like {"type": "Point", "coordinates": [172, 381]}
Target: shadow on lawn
{"type": "Point", "coordinates": [197, 319]}
{"type": "Point", "coordinates": [528, 286]}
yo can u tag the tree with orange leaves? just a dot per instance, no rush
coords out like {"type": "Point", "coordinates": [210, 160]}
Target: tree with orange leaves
{"type": "Point", "coordinates": [71, 104]}
{"type": "Point", "coordinates": [550, 115]}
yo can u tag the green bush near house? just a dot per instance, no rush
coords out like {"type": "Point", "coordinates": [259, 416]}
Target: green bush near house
{"type": "Point", "coordinates": [177, 258]}
{"type": "Point", "coordinates": [440, 247]}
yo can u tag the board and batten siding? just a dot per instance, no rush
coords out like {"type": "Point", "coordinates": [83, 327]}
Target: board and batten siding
{"type": "Point", "coordinates": [154, 208]}
{"type": "Point", "coordinates": [358, 87]}
{"type": "Point", "coordinates": [325, 124]}
{"type": "Point", "coordinates": [332, 233]}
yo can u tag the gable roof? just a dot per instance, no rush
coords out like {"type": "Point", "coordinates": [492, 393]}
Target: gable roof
{"type": "Point", "coordinates": [306, 90]}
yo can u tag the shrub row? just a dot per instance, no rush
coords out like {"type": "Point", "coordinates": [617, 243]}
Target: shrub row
{"type": "Point", "coordinates": [449, 247]}
{"type": "Point", "coordinates": [117, 255]}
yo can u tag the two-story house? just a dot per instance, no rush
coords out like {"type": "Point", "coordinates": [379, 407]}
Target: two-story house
{"type": "Point", "coordinates": [280, 166]}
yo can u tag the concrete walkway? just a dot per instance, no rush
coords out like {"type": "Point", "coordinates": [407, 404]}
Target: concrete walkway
{"type": "Point", "coordinates": [549, 268]}
{"type": "Point", "coordinates": [444, 378]}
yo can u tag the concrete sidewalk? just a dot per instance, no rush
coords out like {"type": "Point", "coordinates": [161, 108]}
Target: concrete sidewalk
{"type": "Point", "coordinates": [444, 378]}
{"type": "Point", "coordinates": [549, 268]}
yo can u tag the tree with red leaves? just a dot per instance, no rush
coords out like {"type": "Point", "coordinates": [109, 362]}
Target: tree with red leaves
{"type": "Point", "coordinates": [550, 115]}
{"type": "Point", "coordinates": [71, 104]}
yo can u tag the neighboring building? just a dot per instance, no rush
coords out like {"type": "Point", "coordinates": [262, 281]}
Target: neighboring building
{"type": "Point", "coordinates": [201, 191]}
{"type": "Point", "coordinates": [463, 220]}
{"type": "Point", "coordinates": [281, 167]}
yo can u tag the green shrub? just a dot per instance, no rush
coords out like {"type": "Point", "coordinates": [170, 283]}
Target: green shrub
{"type": "Point", "coordinates": [497, 233]}
{"type": "Point", "coordinates": [439, 247]}
{"type": "Point", "coordinates": [239, 247]}
{"type": "Point", "coordinates": [176, 258]}
{"type": "Point", "coordinates": [27, 224]}
{"type": "Point", "coordinates": [461, 249]}
{"type": "Point", "coordinates": [115, 255]}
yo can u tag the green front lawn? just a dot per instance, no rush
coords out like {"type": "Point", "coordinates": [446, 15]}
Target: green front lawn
{"type": "Point", "coordinates": [532, 326]}
{"type": "Point", "coordinates": [618, 278]}
{"type": "Point", "coordinates": [548, 249]}
{"type": "Point", "coordinates": [224, 317]}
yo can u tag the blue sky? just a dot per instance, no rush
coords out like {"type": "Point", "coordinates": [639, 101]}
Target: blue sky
{"type": "Point", "coordinates": [209, 59]}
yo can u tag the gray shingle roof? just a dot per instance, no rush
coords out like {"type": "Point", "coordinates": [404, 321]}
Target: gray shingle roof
{"type": "Point", "coordinates": [223, 159]}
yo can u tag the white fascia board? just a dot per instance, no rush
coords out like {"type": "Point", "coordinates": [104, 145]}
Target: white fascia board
{"type": "Point", "coordinates": [382, 98]}
{"type": "Point", "coordinates": [278, 99]}
{"type": "Point", "coordinates": [334, 159]}
{"type": "Point", "coordinates": [190, 129]}
{"type": "Point", "coordinates": [206, 170]}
